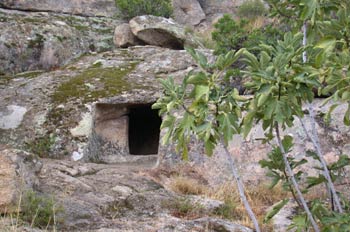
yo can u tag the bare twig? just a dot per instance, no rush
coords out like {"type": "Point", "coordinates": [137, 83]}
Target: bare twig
{"type": "Point", "coordinates": [294, 182]}
{"type": "Point", "coordinates": [240, 187]}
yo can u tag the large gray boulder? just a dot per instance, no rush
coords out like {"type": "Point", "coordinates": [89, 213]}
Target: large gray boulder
{"type": "Point", "coordinates": [188, 12]}
{"type": "Point", "coordinates": [37, 40]}
{"type": "Point", "coordinates": [106, 8]}
{"type": "Point", "coordinates": [160, 31]}
{"type": "Point", "coordinates": [123, 37]}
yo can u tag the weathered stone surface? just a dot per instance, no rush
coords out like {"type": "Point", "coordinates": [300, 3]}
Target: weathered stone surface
{"type": "Point", "coordinates": [18, 173]}
{"type": "Point", "coordinates": [38, 40]}
{"type": "Point", "coordinates": [123, 36]}
{"type": "Point", "coordinates": [106, 8]}
{"type": "Point", "coordinates": [99, 197]}
{"type": "Point", "coordinates": [160, 31]}
{"type": "Point", "coordinates": [60, 104]}
{"type": "Point", "coordinates": [188, 12]}
{"type": "Point", "coordinates": [11, 116]}
{"type": "Point", "coordinates": [247, 152]}
{"type": "Point", "coordinates": [283, 219]}
{"type": "Point", "coordinates": [205, 224]}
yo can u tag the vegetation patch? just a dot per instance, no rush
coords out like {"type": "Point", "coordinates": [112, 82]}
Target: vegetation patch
{"type": "Point", "coordinates": [40, 146]}
{"type": "Point", "coordinates": [184, 208]}
{"type": "Point", "coordinates": [94, 83]}
{"type": "Point", "coordinates": [40, 211]}
{"type": "Point", "coordinates": [133, 8]}
{"type": "Point", "coordinates": [29, 74]}
{"type": "Point", "coordinates": [186, 185]}
{"type": "Point", "coordinates": [252, 9]}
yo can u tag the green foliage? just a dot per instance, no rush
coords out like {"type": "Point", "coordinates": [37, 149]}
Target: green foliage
{"type": "Point", "coordinates": [40, 146]}
{"type": "Point", "coordinates": [233, 35]}
{"type": "Point", "coordinates": [330, 221]}
{"type": "Point", "coordinates": [229, 34]}
{"type": "Point", "coordinates": [40, 211]}
{"type": "Point", "coordinates": [276, 167]}
{"type": "Point", "coordinates": [280, 81]}
{"type": "Point", "coordinates": [184, 208]}
{"type": "Point", "coordinates": [133, 8]}
{"type": "Point", "coordinates": [251, 9]}
{"type": "Point", "coordinates": [211, 111]}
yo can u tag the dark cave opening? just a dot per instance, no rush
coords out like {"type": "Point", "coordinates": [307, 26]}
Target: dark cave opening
{"type": "Point", "coordinates": [144, 130]}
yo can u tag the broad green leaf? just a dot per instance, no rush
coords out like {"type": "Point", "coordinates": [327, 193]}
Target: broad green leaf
{"type": "Point", "coordinates": [276, 208]}
{"type": "Point", "coordinates": [198, 79]}
{"type": "Point", "coordinates": [200, 91]}
{"type": "Point", "coordinates": [287, 142]}
{"type": "Point", "coordinates": [248, 123]}
{"type": "Point", "coordinates": [328, 115]}
{"type": "Point", "coordinates": [347, 117]}
{"type": "Point", "coordinates": [262, 99]}
{"type": "Point", "coordinates": [209, 147]}
{"type": "Point", "coordinates": [251, 60]}
{"type": "Point", "coordinates": [313, 181]}
{"type": "Point", "coordinates": [202, 59]}
{"type": "Point", "coordinates": [326, 43]}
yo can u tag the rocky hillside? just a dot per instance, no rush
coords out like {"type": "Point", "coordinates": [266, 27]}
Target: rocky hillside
{"type": "Point", "coordinates": [77, 82]}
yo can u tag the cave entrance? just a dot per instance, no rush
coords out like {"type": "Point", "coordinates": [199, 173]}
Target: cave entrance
{"type": "Point", "coordinates": [144, 129]}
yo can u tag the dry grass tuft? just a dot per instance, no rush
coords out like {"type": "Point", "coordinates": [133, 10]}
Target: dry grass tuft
{"type": "Point", "coordinates": [187, 186]}
{"type": "Point", "coordinates": [260, 197]}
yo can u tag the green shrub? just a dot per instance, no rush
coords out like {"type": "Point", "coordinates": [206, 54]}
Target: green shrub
{"type": "Point", "coordinates": [40, 211]}
{"type": "Point", "coordinates": [228, 34]}
{"type": "Point", "coordinates": [40, 146]}
{"type": "Point", "coordinates": [251, 9]}
{"type": "Point", "coordinates": [184, 208]}
{"type": "Point", "coordinates": [133, 8]}
{"type": "Point", "coordinates": [233, 35]}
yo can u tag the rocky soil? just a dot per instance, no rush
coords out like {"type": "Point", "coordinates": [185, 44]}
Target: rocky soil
{"type": "Point", "coordinates": [60, 71]}
{"type": "Point", "coordinates": [100, 197]}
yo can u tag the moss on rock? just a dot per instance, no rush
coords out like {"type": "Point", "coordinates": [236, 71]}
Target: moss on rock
{"type": "Point", "coordinates": [94, 83]}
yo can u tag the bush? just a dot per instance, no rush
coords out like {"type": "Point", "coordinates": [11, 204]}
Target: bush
{"type": "Point", "coordinates": [40, 211]}
{"type": "Point", "coordinates": [133, 8]}
{"type": "Point", "coordinates": [233, 35]}
{"type": "Point", "coordinates": [184, 208]}
{"type": "Point", "coordinates": [228, 34]}
{"type": "Point", "coordinates": [252, 9]}
{"type": "Point", "coordinates": [188, 186]}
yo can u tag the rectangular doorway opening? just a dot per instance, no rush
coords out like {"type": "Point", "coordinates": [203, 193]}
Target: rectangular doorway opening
{"type": "Point", "coordinates": [144, 129]}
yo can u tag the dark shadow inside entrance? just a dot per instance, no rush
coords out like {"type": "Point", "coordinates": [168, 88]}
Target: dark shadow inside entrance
{"type": "Point", "coordinates": [144, 130]}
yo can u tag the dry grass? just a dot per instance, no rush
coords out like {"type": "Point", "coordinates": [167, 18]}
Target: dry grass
{"type": "Point", "coordinates": [257, 23]}
{"type": "Point", "coordinates": [205, 39]}
{"type": "Point", "coordinates": [260, 198]}
{"type": "Point", "coordinates": [187, 186]}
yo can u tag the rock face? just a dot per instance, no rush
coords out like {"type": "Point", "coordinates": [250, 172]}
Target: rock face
{"type": "Point", "coordinates": [247, 152]}
{"type": "Point", "coordinates": [18, 172]}
{"type": "Point", "coordinates": [99, 197]}
{"type": "Point", "coordinates": [159, 31]}
{"type": "Point", "coordinates": [188, 12]}
{"type": "Point", "coordinates": [31, 41]}
{"type": "Point", "coordinates": [106, 8]}
{"type": "Point", "coordinates": [64, 106]}
{"type": "Point", "coordinates": [123, 36]}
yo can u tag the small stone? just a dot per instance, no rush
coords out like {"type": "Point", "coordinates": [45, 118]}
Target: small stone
{"type": "Point", "coordinates": [77, 156]}
{"type": "Point", "coordinates": [12, 117]}
{"type": "Point", "coordinates": [124, 191]}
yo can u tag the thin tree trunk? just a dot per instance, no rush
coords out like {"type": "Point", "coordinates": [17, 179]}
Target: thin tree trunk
{"type": "Point", "coordinates": [294, 182]}
{"type": "Point", "coordinates": [241, 188]}
{"type": "Point", "coordinates": [316, 143]}
{"type": "Point", "coordinates": [315, 139]}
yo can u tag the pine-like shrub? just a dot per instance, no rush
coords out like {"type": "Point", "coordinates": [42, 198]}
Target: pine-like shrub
{"type": "Point", "coordinates": [133, 8]}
